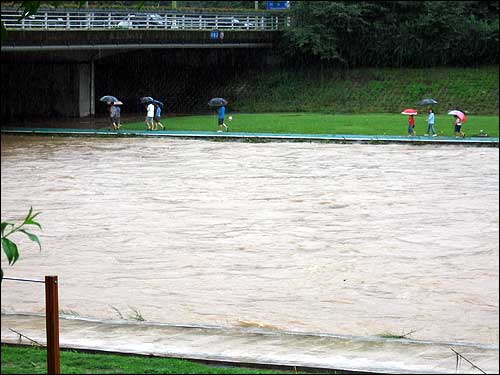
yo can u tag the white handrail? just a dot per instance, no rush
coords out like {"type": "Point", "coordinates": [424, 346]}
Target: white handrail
{"type": "Point", "coordinates": [108, 19]}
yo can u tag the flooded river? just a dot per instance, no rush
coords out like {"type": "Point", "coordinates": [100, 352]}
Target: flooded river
{"type": "Point", "coordinates": [344, 239]}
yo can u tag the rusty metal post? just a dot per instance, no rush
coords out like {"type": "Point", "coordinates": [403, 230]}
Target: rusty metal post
{"type": "Point", "coordinates": [52, 324]}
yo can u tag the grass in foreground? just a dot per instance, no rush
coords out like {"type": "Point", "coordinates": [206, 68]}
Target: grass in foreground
{"type": "Point", "coordinates": [317, 123]}
{"type": "Point", "coordinates": [33, 360]}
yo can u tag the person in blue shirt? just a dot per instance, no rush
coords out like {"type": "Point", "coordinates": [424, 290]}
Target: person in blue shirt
{"type": "Point", "coordinates": [430, 123]}
{"type": "Point", "coordinates": [222, 112]}
{"type": "Point", "coordinates": [157, 118]}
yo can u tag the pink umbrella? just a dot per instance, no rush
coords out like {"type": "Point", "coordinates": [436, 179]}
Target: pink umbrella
{"type": "Point", "coordinates": [409, 111]}
{"type": "Point", "coordinates": [459, 114]}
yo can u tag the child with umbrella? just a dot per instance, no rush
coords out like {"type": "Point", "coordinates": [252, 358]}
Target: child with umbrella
{"type": "Point", "coordinates": [411, 120]}
{"type": "Point", "coordinates": [458, 127]}
{"type": "Point", "coordinates": [459, 119]}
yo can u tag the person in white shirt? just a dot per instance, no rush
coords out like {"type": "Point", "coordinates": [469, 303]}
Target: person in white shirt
{"type": "Point", "coordinates": [149, 116]}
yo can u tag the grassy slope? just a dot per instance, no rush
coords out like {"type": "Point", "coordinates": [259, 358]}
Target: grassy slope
{"type": "Point", "coordinates": [26, 360]}
{"type": "Point", "coordinates": [314, 123]}
{"type": "Point", "coordinates": [367, 90]}
{"type": "Point", "coordinates": [358, 101]}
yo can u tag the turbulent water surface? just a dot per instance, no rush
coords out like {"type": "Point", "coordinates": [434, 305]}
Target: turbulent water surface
{"type": "Point", "coordinates": [343, 239]}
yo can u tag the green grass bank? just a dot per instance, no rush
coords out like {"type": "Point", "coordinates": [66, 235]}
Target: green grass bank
{"type": "Point", "coordinates": [321, 123]}
{"type": "Point", "coordinates": [370, 90]}
{"type": "Point", "coordinates": [33, 360]}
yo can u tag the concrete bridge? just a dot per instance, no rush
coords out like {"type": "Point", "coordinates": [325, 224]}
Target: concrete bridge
{"type": "Point", "coordinates": [80, 37]}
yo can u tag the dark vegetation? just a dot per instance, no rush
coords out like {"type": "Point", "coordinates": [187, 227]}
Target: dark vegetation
{"type": "Point", "coordinates": [396, 33]}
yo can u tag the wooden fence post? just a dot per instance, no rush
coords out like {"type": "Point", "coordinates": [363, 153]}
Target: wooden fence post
{"type": "Point", "coordinates": [52, 324]}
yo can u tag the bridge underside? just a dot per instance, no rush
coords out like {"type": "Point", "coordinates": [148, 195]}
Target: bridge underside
{"type": "Point", "coordinates": [64, 73]}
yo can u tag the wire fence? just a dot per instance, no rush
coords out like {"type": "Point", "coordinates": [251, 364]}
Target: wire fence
{"type": "Point", "coordinates": [23, 279]}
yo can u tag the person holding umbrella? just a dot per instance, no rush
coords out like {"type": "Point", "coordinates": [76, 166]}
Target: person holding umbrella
{"type": "Point", "coordinates": [411, 120]}
{"type": "Point", "coordinates": [114, 113]}
{"type": "Point", "coordinates": [411, 126]}
{"type": "Point", "coordinates": [430, 123]}
{"type": "Point", "coordinates": [221, 112]}
{"type": "Point", "coordinates": [458, 127]}
{"type": "Point", "coordinates": [459, 119]}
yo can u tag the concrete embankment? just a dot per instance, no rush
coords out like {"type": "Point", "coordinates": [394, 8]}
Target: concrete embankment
{"type": "Point", "coordinates": [258, 137]}
{"type": "Point", "coordinates": [255, 347]}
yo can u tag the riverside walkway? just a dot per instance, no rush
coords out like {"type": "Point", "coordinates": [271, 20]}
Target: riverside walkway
{"type": "Point", "coordinates": [256, 347]}
{"type": "Point", "coordinates": [258, 137]}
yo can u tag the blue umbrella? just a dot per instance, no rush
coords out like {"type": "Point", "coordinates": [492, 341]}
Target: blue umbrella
{"type": "Point", "coordinates": [146, 99]}
{"type": "Point", "coordinates": [217, 102]}
{"type": "Point", "coordinates": [157, 102]}
{"type": "Point", "coordinates": [109, 98]}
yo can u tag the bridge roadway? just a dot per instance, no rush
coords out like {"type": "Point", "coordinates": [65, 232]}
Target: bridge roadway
{"type": "Point", "coordinates": [256, 347]}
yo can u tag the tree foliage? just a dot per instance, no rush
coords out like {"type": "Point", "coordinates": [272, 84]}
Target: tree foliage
{"type": "Point", "coordinates": [395, 33]}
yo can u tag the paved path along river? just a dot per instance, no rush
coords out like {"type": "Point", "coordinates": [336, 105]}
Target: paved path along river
{"type": "Point", "coordinates": [344, 239]}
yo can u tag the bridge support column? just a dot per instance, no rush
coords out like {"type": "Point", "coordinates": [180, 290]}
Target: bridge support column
{"type": "Point", "coordinates": [86, 89]}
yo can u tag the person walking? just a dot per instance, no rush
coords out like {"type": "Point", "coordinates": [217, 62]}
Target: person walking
{"type": "Point", "coordinates": [430, 123]}
{"type": "Point", "coordinates": [150, 112]}
{"type": "Point", "coordinates": [411, 126]}
{"type": "Point", "coordinates": [114, 114]}
{"type": "Point", "coordinates": [157, 118]}
{"type": "Point", "coordinates": [458, 127]}
{"type": "Point", "coordinates": [222, 111]}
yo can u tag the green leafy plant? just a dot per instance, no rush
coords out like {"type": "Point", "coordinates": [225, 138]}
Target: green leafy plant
{"type": "Point", "coordinates": [8, 229]}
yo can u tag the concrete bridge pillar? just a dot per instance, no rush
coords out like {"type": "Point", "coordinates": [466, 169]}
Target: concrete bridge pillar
{"type": "Point", "coordinates": [86, 89]}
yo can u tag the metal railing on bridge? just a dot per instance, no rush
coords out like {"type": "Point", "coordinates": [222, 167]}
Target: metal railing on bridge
{"type": "Point", "coordinates": [77, 19]}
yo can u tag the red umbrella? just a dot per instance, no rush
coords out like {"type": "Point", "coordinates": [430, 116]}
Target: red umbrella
{"type": "Point", "coordinates": [409, 111]}
{"type": "Point", "coordinates": [459, 114]}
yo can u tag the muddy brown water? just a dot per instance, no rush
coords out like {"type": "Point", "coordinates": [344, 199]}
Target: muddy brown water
{"type": "Point", "coordinates": [345, 239]}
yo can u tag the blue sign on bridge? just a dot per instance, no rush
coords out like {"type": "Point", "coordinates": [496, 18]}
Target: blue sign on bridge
{"type": "Point", "coordinates": [277, 5]}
